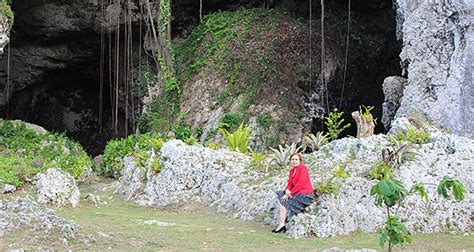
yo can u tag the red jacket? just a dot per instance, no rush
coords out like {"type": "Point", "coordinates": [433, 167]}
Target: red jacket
{"type": "Point", "coordinates": [298, 181]}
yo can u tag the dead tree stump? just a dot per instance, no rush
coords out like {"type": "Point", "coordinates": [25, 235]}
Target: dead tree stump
{"type": "Point", "coordinates": [365, 126]}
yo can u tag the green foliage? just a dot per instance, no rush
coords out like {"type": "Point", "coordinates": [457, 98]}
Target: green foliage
{"type": "Point", "coordinates": [191, 140]}
{"type": "Point", "coordinates": [445, 186]}
{"type": "Point", "coordinates": [29, 153]}
{"type": "Point", "coordinates": [239, 139]}
{"type": "Point", "coordinates": [329, 186]}
{"type": "Point", "coordinates": [420, 188]}
{"type": "Point", "coordinates": [326, 187]}
{"type": "Point", "coordinates": [5, 9]}
{"type": "Point", "coordinates": [230, 121]}
{"type": "Point", "coordinates": [413, 136]}
{"type": "Point", "coordinates": [334, 124]}
{"type": "Point", "coordinates": [257, 158]}
{"type": "Point", "coordinates": [216, 45]}
{"type": "Point", "coordinates": [381, 171]}
{"type": "Point", "coordinates": [136, 145]}
{"type": "Point", "coordinates": [265, 120]}
{"type": "Point", "coordinates": [315, 142]}
{"type": "Point", "coordinates": [394, 232]}
{"type": "Point", "coordinates": [366, 115]}
{"type": "Point", "coordinates": [214, 145]}
{"type": "Point", "coordinates": [181, 131]}
{"type": "Point", "coordinates": [388, 192]}
{"type": "Point", "coordinates": [14, 170]}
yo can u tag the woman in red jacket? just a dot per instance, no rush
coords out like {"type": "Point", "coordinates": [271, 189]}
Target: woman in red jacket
{"type": "Point", "coordinates": [297, 195]}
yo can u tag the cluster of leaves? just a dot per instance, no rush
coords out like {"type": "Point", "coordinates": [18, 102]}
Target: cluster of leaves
{"type": "Point", "coordinates": [366, 115]}
{"type": "Point", "coordinates": [25, 153]}
{"type": "Point", "coordinates": [239, 139]}
{"type": "Point", "coordinates": [329, 186]}
{"type": "Point", "coordinates": [413, 136]}
{"type": "Point", "coordinates": [335, 124]}
{"type": "Point", "coordinates": [392, 158]}
{"type": "Point", "coordinates": [230, 121]}
{"type": "Point", "coordinates": [116, 150]}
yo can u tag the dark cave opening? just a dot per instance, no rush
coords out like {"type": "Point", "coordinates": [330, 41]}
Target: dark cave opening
{"type": "Point", "coordinates": [68, 101]}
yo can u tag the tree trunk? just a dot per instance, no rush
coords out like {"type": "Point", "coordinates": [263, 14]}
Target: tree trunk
{"type": "Point", "coordinates": [365, 128]}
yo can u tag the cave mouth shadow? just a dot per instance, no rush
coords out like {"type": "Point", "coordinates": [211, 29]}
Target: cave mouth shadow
{"type": "Point", "coordinates": [68, 101]}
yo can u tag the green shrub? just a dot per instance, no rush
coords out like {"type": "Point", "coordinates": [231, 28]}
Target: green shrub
{"type": "Point", "coordinates": [136, 145]}
{"type": "Point", "coordinates": [38, 152]}
{"type": "Point", "coordinates": [334, 123]}
{"type": "Point", "coordinates": [191, 140]}
{"type": "Point", "coordinates": [181, 131]}
{"type": "Point", "coordinates": [230, 121]}
{"type": "Point", "coordinates": [239, 139]}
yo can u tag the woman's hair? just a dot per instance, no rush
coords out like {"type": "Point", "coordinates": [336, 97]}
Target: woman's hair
{"type": "Point", "coordinates": [298, 155]}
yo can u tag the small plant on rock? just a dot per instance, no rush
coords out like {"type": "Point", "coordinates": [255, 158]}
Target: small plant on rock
{"type": "Point", "coordinates": [315, 142]}
{"type": "Point", "coordinates": [413, 136]}
{"type": "Point", "coordinates": [366, 115]}
{"type": "Point", "coordinates": [330, 187]}
{"type": "Point", "coordinates": [334, 123]}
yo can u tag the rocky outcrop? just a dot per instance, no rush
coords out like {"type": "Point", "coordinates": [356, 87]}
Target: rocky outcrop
{"type": "Point", "coordinates": [57, 188]}
{"type": "Point", "coordinates": [226, 181]}
{"type": "Point", "coordinates": [24, 213]}
{"type": "Point", "coordinates": [438, 53]}
{"type": "Point", "coordinates": [393, 91]}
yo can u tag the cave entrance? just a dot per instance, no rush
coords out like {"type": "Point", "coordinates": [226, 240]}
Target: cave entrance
{"type": "Point", "coordinates": [68, 101]}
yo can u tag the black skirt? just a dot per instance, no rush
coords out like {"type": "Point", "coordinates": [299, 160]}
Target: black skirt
{"type": "Point", "coordinates": [297, 203]}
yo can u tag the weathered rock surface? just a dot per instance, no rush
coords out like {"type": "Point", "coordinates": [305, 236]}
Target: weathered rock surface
{"type": "Point", "coordinates": [6, 188]}
{"type": "Point", "coordinates": [24, 213]}
{"type": "Point", "coordinates": [222, 180]}
{"type": "Point", "coordinates": [57, 188]}
{"type": "Point", "coordinates": [438, 52]}
{"type": "Point", "coordinates": [393, 91]}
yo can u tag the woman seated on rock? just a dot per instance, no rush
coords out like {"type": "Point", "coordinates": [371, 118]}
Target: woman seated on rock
{"type": "Point", "coordinates": [297, 195]}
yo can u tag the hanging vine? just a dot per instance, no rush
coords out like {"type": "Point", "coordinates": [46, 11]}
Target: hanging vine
{"type": "Point", "coordinates": [347, 51]}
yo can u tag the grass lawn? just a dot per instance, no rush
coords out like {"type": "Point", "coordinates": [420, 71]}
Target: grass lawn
{"type": "Point", "coordinates": [118, 225]}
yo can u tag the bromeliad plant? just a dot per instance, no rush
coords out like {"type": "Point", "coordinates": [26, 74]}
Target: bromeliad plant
{"type": "Point", "coordinates": [315, 142]}
{"type": "Point", "coordinates": [281, 156]}
{"type": "Point", "coordinates": [389, 192]}
{"type": "Point", "coordinates": [239, 139]}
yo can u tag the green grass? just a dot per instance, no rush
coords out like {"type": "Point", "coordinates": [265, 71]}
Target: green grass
{"type": "Point", "coordinates": [197, 229]}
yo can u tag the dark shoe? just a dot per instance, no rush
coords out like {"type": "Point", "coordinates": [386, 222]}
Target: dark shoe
{"type": "Point", "coordinates": [282, 229]}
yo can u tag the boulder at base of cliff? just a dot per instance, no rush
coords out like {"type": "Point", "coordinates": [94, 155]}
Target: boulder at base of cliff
{"type": "Point", "coordinates": [57, 188]}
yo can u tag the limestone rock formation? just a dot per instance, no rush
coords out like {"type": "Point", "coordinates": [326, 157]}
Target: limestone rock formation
{"type": "Point", "coordinates": [57, 188]}
{"type": "Point", "coordinates": [393, 91]}
{"type": "Point", "coordinates": [25, 213]}
{"type": "Point", "coordinates": [226, 181]}
{"type": "Point", "coordinates": [438, 53]}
